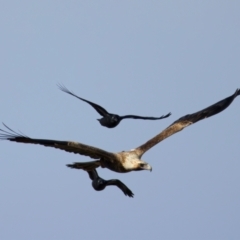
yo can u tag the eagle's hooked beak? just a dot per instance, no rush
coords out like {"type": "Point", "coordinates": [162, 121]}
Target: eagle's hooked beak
{"type": "Point", "coordinates": [149, 167]}
{"type": "Point", "coordinates": [146, 166]}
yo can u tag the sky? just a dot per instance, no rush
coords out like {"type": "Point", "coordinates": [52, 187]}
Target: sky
{"type": "Point", "coordinates": [131, 57]}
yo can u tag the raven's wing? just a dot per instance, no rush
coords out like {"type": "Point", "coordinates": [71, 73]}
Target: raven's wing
{"type": "Point", "coordinates": [73, 147]}
{"type": "Point", "coordinates": [145, 118]}
{"type": "Point", "coordinates": [103, 112]}
{"type": "Point", "coordinates": [86, 166]}
{"type": "Point", "coordinates": [187, 120]}
{"type": "Point", "coordinates": [92, 174]}
{"type": "Point", "coordinates": [121, 185]}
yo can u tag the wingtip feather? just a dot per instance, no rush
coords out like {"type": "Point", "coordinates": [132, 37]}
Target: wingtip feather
{"type": "Point", "coordinates": [237, 92]}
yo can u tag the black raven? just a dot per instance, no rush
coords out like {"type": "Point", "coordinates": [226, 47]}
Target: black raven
{"type": "Point", "coordinates": [99, 184]}
{"type": "Point", "coordinates": [109, 120]}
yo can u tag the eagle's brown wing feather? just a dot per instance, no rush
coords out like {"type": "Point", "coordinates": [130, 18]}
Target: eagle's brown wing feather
{"type": "Point", "coordinates": [73, 147]}
{"type": "Point", "coordinates": [187, 120]}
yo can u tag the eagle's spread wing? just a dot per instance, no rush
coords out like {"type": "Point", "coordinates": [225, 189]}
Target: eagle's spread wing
{"type": "Point", "coordinates": [187, 120]}
{"type": "Point", "coordinates": [103, 112]}
{"type": "Point", "coordinates": [73, 147]}
{"type": "Point", "coordinates": [121, 185]}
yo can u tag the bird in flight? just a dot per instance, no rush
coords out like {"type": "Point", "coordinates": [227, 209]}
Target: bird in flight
{"type": "Point", "coordinates": [125, 161]}
{"type": "Point", "coordinates": [109, 120]}
{"type": "Point", "coordinates": [99, 184]}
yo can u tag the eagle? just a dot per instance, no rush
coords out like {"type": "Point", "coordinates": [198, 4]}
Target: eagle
{"type": "Point", "coordinates": [100, 184]}
{"type": "Point", "coordinates": [109, 120]}
{"type": "Point", "coordinates": [125, 161]}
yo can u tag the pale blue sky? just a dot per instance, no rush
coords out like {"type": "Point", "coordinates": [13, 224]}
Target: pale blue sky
{"type": "Point", "coordinates": [131, 57]}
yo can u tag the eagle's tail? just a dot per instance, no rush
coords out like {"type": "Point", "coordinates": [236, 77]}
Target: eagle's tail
{"type": "Point", "coordinates": [87, 166]}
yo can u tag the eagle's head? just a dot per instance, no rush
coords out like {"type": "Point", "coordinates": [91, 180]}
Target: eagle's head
{"type": "Point", "coordinates": [136, 164]}
{"type": "Point", "coordinates": [141, 165]}
{"type": "Point", "coordinates": [130, 161]}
